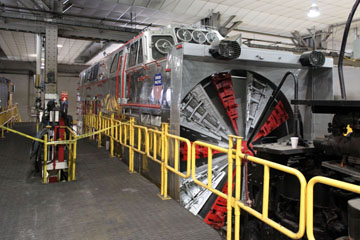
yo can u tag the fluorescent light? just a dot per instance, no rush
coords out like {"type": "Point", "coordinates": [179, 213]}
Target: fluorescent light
{"type": "Point", "coordinates": [32, 55]}
{"type": "Point", "coordinates": [59, 45]}
{"type": "Point", "coordinates": [314, 10]}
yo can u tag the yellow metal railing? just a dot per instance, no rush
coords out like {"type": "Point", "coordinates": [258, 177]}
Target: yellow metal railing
{"type": "Point", "coordinates": [11, 115]}
{"type": "Point", "coordinates": [157, 144]}
{"type": "Point", "coordinates": [263, 216]}
{"type": "Point", "coordinates": [150, 142]}
{"type": "Point", "coordinates": [310, 198]}
{"type": "Point", "coordinates": [160, 146]}
{"type": "Point", "coordinates": [71, 144]}
{"type": "Point", "coordinates": [229, 197]}
{"type": "Point", "coordinates": [236, 203]}
{"type": "Point", "coordinates": [8, 117]}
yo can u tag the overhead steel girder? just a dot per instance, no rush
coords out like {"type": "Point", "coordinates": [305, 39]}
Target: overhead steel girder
{"type": "Point", "coordinates": [11, 65]}
{"type": "Point", "coordinates": [91, 51]}
{"type": "Point", "coordinates": [67, 28]}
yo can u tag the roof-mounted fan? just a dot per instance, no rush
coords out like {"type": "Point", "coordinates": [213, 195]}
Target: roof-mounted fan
{"type": "Point", "coordinates": [164, 46]}
{"type": "Point", "coordinates": [211, 37]}
{"type": "Point", "coordinates": [199, 37]}
{"type": "Point", "coordinates": [184, 35]}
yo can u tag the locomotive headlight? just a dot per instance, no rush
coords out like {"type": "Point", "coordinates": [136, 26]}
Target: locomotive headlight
{"type": "Point", "coordinates": [225, 50]}
{"type": "Point", "coordinates": [312, 59]}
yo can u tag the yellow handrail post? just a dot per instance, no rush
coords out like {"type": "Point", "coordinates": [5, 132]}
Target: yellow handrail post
{"type": "Point", "coordinates": [99, 135]}
{"type": "Point", "coordinates": [45, 159]}
{"type": "Point", "coordinates": [131, 148]}
{"type": "Point", "coordinates": [85, 124]}
{"type": "Point", "coordinates": [310, 198]}
{"type": "Point", "coordinates": [165, 128]}
{"type": "Point", "coordinates": [94, 126]}
{"type": "Point", "coordinates": [88, 117]}
{"type": "Point", "coordinates": [309, 209]}
{"type": "Point", "coordinates": [69, 158]}
{"type": "Point", "coordinates": [162, 159]}
{"type": "Point", "coordinates": [37, 124]}
{"type": "Point", "coordinates": [237, 186]}
{"type": "Point", "coordinates": [112, 136]}
{"type": "Point", "coordinates": [210, 159]}
{"type": "Point", "coordinates": [230, 183]}
{"type": "Point", "coordinates": [266, 183]}
{"type": "Point", "coordinates": [117, 131]}
{"type": "Point", "coordinates": [74, 159]}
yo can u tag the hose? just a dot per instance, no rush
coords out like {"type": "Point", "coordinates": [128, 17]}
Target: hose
{"type": "Point", "coordinates": [342, 50]}
{"type": "Point", "coordinates": [270, 105]}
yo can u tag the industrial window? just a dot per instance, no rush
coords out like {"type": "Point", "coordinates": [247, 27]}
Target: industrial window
{"type": "Point", "coordinates": [133, 54]}
{"type": "Point", "coordinates": [141, 54]}
{"type": "Point", "coordinates": [114, 63]}
{"type": "Point", "coordinates": [161, 45]}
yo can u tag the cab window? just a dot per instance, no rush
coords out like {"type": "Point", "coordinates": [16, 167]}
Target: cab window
{"type": "Point", "coordinates": [133, 54]}
{"type": "Point", "coordinates": [114, 63]}
{"type": "Point", "coordinates": [141, 53]}
{"type": "Point", "coordinates": [94, 72]}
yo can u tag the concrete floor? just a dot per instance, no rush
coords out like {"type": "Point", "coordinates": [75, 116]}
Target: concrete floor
{"type": "Point", "coordinates": [106, 202]}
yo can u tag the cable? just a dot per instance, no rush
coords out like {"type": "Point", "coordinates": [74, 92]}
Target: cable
{"type": "Point", "coordinates": [342, 50]}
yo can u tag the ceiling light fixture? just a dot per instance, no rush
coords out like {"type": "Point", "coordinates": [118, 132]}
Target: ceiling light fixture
{"type": "Point", "coordinates": [314, 10]}
{"type": "Point", "coordinates": [59, 45]}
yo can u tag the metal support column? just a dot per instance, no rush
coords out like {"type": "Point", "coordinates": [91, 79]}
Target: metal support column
{"type": "Point", "coordinates": [38, 79]}
{"type": "Point", "coordinates": [51, 63]}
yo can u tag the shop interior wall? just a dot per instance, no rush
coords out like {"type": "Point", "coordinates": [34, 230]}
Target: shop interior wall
{"type": "Point", "coordinates": [25, 93]}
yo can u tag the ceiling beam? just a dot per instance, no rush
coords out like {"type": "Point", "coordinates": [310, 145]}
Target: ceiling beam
{"type": "Point", "coordinates": [21, 66]}
{"type": "Point", "coordinates": [43, 4]}
{"type": "Point", "coordinates": [2, 53]}
{"type": "Point", "coordinates": [36, 4]}
{"type": "Point", "coordinates": [54, 14]}
{"type": "Point", "coordinates": [68, 28]}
